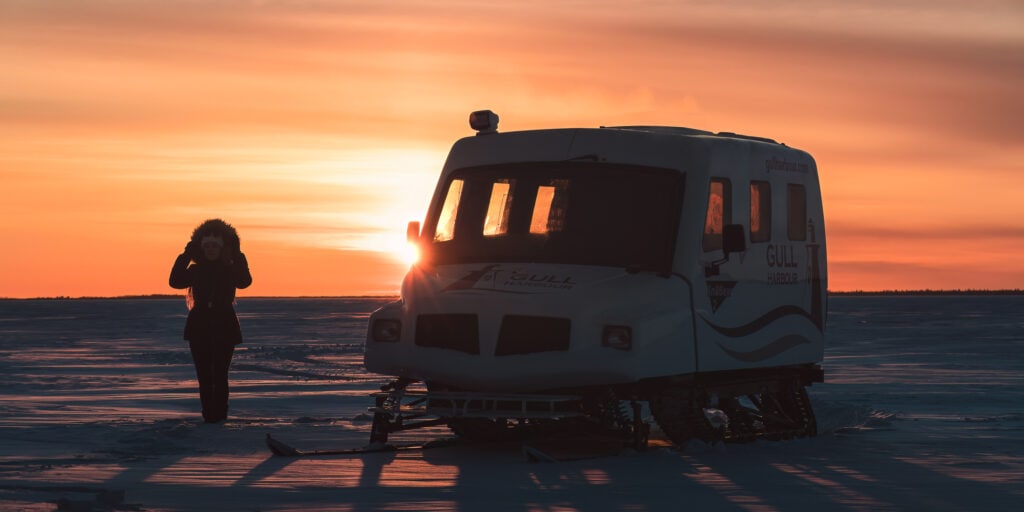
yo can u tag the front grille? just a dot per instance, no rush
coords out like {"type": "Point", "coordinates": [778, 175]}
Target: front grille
{"type": "Point", "coordinates": [528, 334]}
{"type": "Point", "coordinates": [454, 332]}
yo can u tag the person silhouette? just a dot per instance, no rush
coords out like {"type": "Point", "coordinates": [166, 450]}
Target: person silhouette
{"type": "Point", "coordinates": [211, 268]}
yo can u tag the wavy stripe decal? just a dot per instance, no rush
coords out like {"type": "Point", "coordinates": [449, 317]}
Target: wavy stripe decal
{"type": "Point", "coordinates": [762, 322]}
{"type": "Point", "coordinates": [768, 351]}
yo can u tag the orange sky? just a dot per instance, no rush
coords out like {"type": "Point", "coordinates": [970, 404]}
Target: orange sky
{"type": "Point", "coordinates": [318, 128]}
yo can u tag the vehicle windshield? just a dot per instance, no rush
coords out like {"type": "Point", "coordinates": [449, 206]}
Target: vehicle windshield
{"type": "Point", "coordinates": [572, 213]}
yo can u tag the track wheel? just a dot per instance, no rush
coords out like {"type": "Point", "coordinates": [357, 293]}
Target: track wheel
{"type": "Point", "coordinates": [787, 413]}
{"type": "Point", "coordinates": [680, 414]}
{"type": "Point", "coordinates": [743, 421]}
{"type": "Point", "coordinates": [798, 405]}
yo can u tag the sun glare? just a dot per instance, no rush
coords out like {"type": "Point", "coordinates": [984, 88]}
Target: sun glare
{"type": "Point", "coordinates": [359, 201]}
{"type": "Point", "coordinates": [410, 254]}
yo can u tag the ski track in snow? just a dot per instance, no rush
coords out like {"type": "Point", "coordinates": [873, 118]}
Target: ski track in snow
{"type": "Point", "coordinates": [922, 409]}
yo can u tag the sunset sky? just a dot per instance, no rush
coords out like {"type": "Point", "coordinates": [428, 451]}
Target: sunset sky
{"type": "Point", "coordinates": [318, 128]}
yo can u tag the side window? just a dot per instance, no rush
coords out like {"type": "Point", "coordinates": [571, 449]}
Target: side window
{"type": "Point", "coordinates": [498, 208]}
{"type": "Point", "coordinates": [796, 198]}
{"type": "Point", "coordinates": [549, 208]}
{"type": "Point", "coordinates": [760, 211]}
{"type": "Point", "coordinates": [718, 214]}
{"type": "Point", "coordinates": [446, 222]}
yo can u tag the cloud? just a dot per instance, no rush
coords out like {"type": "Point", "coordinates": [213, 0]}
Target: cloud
{"type": "Point", "coordinates": [1013, 233]}
{"type": "Point", "coordinates": [888, 275]}
{"type": "Point", "coordinates": [318, 120]}
{"type": "Point", "coordinates": [318, 65]}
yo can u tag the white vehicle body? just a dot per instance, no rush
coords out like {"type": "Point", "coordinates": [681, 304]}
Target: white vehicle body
{"type": "Point", "coordinates": [569, 258]}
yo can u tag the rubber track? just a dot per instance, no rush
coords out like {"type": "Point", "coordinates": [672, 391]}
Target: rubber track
{"type": "Point", "coordinates": [679, 413]}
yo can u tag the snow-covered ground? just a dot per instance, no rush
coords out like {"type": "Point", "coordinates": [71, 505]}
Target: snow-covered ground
{"type": "Point", "coordinates": [922, 409]}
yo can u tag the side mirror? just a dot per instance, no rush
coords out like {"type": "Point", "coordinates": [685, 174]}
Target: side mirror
{"type": "Point", "coordinates": [412, 232]}
{"type": "Point", "coordinates": [734, 239]}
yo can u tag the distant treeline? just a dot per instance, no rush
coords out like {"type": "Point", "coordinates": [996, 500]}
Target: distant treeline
{"type": "Point", "coordinates": [180, 295]}
{"type": "Point", "coordinates": [119, 297]}
{"type": "Point", "coordinates": [1015, 291]}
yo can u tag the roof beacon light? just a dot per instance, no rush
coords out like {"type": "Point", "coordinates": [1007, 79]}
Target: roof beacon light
{"type": "Point", "coordinates": [484, 122]}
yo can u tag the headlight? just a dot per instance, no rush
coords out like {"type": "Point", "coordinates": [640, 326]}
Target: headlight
{"type": "Point", "coordinates": [617, 336]}
{"type": "Point", "coordinates": [386, 329]}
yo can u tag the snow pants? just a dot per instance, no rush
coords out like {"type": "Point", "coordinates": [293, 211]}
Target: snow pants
{"type": "Point", "coordinates": [212, 362]}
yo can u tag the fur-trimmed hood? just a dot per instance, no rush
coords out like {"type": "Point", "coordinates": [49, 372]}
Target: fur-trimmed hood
{"type": "Point", "coordinates": [217, 227]}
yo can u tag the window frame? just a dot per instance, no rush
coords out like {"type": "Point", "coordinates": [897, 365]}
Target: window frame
{"type": "Point", "coordinates": [554, 208]}
{"type": "Point", "coordinates": [468, 229]}
{"type": "Point", "coordinates": [448, 213]}
{"type": "Point", "coordinates": [764, 211]}
{"type": "Point", "coordinates": [498, 225]}
{"type": "Point", "coordinates": [714, 241]}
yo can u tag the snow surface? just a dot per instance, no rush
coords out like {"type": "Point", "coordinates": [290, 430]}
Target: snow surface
{"type": "Point", "coordinates": [921, 410]}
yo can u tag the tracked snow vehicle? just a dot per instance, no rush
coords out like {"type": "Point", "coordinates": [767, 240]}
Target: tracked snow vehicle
{"type": "Point", "coordinates": [568, 276]}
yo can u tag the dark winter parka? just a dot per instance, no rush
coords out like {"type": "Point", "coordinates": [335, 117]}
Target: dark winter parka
{"type": "Point", "coordinates": [212, 284]}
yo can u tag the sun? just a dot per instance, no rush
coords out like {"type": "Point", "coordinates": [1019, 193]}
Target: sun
{"type": "Point", "coordinates": [394, 246]}
{"type": "Point", "coordinates": [409, 254]}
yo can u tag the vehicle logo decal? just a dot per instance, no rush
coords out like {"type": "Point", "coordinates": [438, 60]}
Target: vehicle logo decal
{"type": "Point", "coordinates": [718, 291]}
{"type": "Point", "coordinates": [469, 280]}
{"type": "Point", "coordinates": [515, 280]}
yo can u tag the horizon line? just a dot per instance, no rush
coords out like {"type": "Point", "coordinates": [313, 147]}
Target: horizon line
{"type": "Point", "coordinates": [924, 291]}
